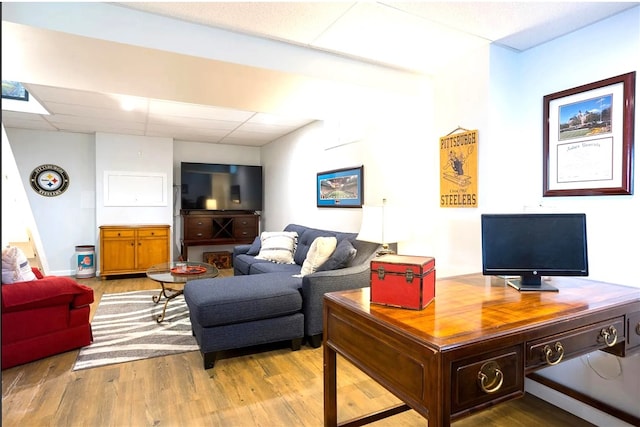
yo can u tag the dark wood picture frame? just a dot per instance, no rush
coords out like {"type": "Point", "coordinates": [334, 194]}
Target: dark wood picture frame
{"type": "Point", "coordinates": [340, 188]}
{"type": "Point", "coordinates": [588, 139]}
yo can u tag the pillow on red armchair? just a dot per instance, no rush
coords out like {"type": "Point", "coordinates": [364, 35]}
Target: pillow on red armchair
{"type": "Point", "coordinates": [15, 266]}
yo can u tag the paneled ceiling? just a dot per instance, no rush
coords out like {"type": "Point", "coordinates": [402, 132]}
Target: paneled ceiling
{"type": "Point", "coordinates": [417, 37]}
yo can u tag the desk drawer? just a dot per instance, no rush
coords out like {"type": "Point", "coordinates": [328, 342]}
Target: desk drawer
{"type": "Point", "coordinates": [556, 348]}
{"type": "Point", "coordinates": [493, 376]}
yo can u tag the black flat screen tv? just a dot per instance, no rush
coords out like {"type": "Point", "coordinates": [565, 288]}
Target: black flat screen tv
{"type": "Point", "coordinates": [534, 245]}
{"type": "Point", "coordinates": [220, 187]}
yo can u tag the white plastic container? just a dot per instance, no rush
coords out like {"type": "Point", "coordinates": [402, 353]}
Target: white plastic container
{"type": "Point", "coordinates": [86, 261]}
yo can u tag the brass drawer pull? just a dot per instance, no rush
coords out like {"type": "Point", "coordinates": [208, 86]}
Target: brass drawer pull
{"type": "Point", "coordinates": [610, 335]}
{"type": "Point", "coordinates": [548, 352]}
{"type": "Point", "coordinates": [491, 381]}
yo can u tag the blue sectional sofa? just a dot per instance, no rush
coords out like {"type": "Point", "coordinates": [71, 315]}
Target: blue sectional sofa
{"type": "Point", "coordinates": [268, 302]}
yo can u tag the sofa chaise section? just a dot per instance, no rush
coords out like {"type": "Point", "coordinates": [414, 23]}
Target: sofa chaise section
{"type": "Point", "coordinates": [227, 313]}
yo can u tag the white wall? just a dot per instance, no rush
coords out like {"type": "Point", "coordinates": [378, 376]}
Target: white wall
{"type": "Point", "coordinates": [393, 147]}
{"type": "Point", "coordinates": [18, 223]}
{"type": "Point", "coordinates": [605, 49]}
{"type": "Point", "coordinates": [69, 219]}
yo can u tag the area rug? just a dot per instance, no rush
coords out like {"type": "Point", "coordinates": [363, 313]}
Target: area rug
{"type": "Point", "coordinates": [125, 329]}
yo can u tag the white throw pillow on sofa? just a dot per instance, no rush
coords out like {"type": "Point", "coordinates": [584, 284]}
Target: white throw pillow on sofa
{"type": "Point", "coordinates": [319, 252]}
{"type": "Point", "coordinates": [15, 266]}
{"type": "Point", "coordinates": [278, 246]}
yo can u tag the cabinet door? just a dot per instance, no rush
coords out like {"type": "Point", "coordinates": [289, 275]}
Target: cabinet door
{"type": "Point", "coordinates": [152, 247]}
{"type": "Point", "coordinates": [118, 254]}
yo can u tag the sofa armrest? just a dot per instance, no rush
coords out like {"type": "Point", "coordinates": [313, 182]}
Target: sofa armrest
{"type": "Point", "coordinates": [240, 249]}
{"type": "Point", "coordinates": [315, 285]}
{"type": "Point", "coordinates": [46, 292]}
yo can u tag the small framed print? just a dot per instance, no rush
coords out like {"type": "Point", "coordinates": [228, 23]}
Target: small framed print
{"type": "Point", "coordinates": [588, 139]}
{"type": "Point", "coordinates": [340, 188]}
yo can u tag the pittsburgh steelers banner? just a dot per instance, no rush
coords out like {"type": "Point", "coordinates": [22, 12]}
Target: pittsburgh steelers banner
{"type": "Point", "coordinates": [459, 170]}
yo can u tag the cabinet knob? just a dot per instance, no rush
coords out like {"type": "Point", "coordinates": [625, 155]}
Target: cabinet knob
{"type": "Point", "coordinates": [199, 234]}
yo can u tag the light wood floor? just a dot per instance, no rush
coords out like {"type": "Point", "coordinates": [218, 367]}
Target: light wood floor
{"type": "Point", "coordinates": [260, 387]}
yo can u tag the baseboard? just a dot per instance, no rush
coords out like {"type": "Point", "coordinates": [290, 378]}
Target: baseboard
{"type": "Point", "coordinates": [574, 406]}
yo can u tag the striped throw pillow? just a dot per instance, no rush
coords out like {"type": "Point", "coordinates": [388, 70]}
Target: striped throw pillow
{"type": "Point", "coordinates": [278, 246]}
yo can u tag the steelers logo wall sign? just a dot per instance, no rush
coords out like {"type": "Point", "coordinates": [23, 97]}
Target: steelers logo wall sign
{"type": "Point", "coordinates": [49, 180]}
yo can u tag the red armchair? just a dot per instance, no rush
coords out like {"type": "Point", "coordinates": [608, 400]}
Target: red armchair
{"type": "Point", "coordinates": [44, 317]}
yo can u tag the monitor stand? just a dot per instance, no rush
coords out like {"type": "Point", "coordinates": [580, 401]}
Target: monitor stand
{"type": "Point", "coordinates": [518, 284]}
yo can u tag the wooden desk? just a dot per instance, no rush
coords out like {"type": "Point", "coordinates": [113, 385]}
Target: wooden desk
{"type": "Point", "coordinates": [473, 345]}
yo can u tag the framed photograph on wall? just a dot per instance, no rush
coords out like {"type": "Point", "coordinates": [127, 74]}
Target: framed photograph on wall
{"type": "Point", "coordinates": [340, 188]}
{"type": "Point", "coordinates": [588, 139]}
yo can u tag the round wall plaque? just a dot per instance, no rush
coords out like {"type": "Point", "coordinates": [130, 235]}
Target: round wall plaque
{"type": "Point", "coordinates": [49, 180]}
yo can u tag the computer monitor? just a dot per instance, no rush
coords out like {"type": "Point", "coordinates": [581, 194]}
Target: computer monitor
{"type": "Point", "coordinates": [533, 245]}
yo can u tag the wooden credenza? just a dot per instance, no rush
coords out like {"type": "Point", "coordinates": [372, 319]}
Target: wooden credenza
{"type": "Point", "coordinates": [474, 344]}
{"type": "Point", "coordinates": [207, 228]}
{"type": "Point", "coordinates": [128, 249]}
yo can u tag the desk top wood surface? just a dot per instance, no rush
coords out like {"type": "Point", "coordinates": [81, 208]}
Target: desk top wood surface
{"type": "Point", "coordinates": [472, 307]}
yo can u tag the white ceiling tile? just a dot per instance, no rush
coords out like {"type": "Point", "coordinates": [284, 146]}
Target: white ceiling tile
{"type": "Point", "coordinates": [181, 130]}
{"type": "Point", "coordinates": [61, 120]}
{"type": "Point", "coordinates": [371, 30]}
{"type": "Point", "coordinates": [192, 122]}
{"type": "Point", "coordinates": [180, 109]}
{"type": "Point", "coordinates": [230, 140]}
{"type": "Point", "coordinates": [300, 22]}
{"type": "Point", "coordinates": [263, 136]}
{"type": "Point", "coordinates": [25, 121]}
{"type": "Point", "coordinates": [96, 113]}
{"type": "Point", "coordinates": [279, 120]}
{"type": "Point", "coordinates": [46, 94]}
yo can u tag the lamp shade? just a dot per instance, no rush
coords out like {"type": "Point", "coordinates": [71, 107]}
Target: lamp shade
{"type": "Point", "coordinates": [381, 224]}
{"type": "Point", "coordinates": [211, 204]}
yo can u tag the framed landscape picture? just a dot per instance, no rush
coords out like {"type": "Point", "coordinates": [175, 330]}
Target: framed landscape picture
{"type": "Point", "coordinates": [340, 188]}
{"type": "Point", "coordinates": [588, 139]}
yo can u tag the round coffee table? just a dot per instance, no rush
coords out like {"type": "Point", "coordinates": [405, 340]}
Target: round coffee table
{"type": "Point", "coordinates": [172, 276]}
